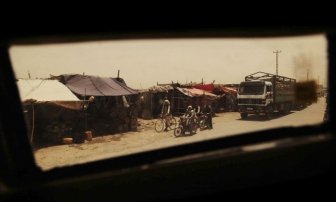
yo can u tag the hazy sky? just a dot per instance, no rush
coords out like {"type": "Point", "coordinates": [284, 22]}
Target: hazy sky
{"type": "Point", "coordinates": [142, 63]}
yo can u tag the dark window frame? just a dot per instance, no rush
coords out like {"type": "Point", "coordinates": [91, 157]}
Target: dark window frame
{"type": "Point", "coordinates": [20, 168]}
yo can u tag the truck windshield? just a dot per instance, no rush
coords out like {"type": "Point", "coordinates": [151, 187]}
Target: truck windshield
{"type": "Point", "coordinates": [251, 89]}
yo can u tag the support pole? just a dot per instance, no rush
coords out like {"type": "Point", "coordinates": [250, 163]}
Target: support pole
{"type": "Point", "coordinates": [276, 64]}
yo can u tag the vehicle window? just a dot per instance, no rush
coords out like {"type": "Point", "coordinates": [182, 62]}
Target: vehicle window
{"type": "Point", "coordinates": [251, 89]}
{"type": "Point", "coordinates": [100, 99]}
{"type": "Point", "coordinates": [269, 88]}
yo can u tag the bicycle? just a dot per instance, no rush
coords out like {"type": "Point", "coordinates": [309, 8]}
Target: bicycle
{"type": "Point", "coordinates": [160, 124]}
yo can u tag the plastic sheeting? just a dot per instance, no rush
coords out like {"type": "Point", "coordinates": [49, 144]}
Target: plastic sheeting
{"type": "Point", "coordinates": [96, 86]}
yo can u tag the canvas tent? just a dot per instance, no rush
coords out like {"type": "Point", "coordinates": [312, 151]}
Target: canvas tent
{"type": "Point", "coordinates": [47, 91]}
{"type": "Point", "coordinates": [50, 108]}
{"type": "Point", "coordinates": [44, 90]}
{"type": "Point", "coordinates": [114, 108]}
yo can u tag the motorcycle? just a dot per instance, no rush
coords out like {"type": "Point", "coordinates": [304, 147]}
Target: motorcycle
{"type": "Point", "coordinates": [202, 121]}
{"type": "Point", "coordinates": [186, 124]}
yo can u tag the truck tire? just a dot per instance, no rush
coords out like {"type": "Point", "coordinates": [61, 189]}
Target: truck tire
{"type": "Point", "coordinates": [269, 112]}
{"type": "Point", "coordinates": [288, 108]}
{"type": "Point", "coordinates": [243, 115]}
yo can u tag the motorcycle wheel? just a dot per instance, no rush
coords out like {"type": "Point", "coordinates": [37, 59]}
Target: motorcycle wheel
{"type": "Point", "coordinates": [193, 129]}
{"type": "Point", "coordinates": [178, 131]}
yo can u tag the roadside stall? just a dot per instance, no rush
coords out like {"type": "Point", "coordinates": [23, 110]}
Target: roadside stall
{"type": "Point", "coordinates": [114, 107]}
{"type": "Point", "coordinates": [183, 97]}
{"type": "Point", "coordinates": [151, 100]}
{"type": "Point", "coordinates": [50, 110]}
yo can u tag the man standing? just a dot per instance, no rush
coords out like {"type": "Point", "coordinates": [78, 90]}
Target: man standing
{"type": "Point", "coordinates": [165, 112]}
{"type": "Point", "coordinates": [89, 112]}
{"type": "Point", "coordinates": [208, 111]}
{"type": "Point", "coordinates": [82, 122]}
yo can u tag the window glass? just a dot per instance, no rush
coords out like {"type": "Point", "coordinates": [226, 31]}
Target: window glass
{"type": "Point", "coordinates": [100, 99]}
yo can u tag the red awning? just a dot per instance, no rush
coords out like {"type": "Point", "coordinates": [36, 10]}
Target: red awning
{"type": "Point", "coordinates": [221, 89]}
{"type": "Point", "coordinates": [205, 87]}
{"type": "Point", "coordinates": [194, 92]}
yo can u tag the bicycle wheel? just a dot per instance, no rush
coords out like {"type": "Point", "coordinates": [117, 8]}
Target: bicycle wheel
{"type": "Point", "coordinates": [172, 123]}
{"type": "Point", "coordinates": [159, 125]}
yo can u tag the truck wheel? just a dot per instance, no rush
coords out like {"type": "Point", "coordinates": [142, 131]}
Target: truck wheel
{"type": "Point", "coordinates": [269, 113]}
{"type": "Point", "coordinates": [288, 108]}
{"type": "Point", "coordinates": [243, 115]}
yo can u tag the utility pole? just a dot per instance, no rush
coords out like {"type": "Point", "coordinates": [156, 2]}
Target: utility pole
{"type": "Point", "coordinates": [277, 55]}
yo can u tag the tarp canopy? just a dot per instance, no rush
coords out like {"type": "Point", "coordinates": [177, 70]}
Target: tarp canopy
{"type": "Point", "coordinates": [47, 91]}
{"type": "Point", "coordinates": [44, 90]}
{"type": "Point", "coordinates": [194, 92]}
{"type": "Point", "coordinates": [226, 90]}
{"type": "Point", "coordinates": [229, 90]}
{"type": "Point", "coordinates": [160, 89]}
{"type": "Point", "coordinates": [207, 87]}
{"type": "Point", "coordinates": [96, 86]}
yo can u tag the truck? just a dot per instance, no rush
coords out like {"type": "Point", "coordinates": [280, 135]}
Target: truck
{"type": "Point", "coordinates": [264, 93]}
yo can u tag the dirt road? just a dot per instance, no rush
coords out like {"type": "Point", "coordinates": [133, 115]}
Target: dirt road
{"type": "Point", "coordinates": [225, 124]}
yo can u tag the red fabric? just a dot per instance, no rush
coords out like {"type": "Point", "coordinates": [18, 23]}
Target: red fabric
{"type": "Point", "coordinates": [194, 92]}
{"type": "Point", "coordinates": [206, 87]}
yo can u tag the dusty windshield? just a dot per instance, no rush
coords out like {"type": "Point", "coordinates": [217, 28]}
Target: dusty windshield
{"type": "Point", "coordinates": [94, 100]}
{"type": "Point", "coordinates": [251, 89]}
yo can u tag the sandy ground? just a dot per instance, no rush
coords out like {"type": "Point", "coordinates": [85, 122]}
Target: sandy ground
{"type": "Point", "coordinates": [225, 124]}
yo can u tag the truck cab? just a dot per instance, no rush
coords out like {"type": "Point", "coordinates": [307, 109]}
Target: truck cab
{"type": "Point", "coordinates": [265, 94]}
{"type": "Point", "coordinates": [254, 97]}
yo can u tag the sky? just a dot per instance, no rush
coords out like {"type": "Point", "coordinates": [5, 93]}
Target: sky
{"type": "Point", "coordinates": [143, 63]}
